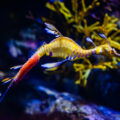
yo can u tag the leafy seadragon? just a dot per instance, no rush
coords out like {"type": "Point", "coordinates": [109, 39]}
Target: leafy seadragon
{"type": "Point", "coordinates": [61, 47]}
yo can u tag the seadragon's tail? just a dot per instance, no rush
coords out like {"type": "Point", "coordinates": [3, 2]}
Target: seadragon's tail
{"type": "Point", "coordinates": [11, 80]}
{"type": "Point", "coordinates": [25, 68]}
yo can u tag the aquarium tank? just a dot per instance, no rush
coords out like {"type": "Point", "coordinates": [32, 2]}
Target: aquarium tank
{"type": "Point", "coordinates": [60, 60]}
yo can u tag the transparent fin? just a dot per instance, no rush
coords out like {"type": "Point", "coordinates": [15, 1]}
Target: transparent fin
{"type": "Point", "coordinates": [88, 39]}
{"type": "Point", "coordinates": [16, 67]}
{"type": "Point", "coordinates": [6, 80]}
{"type": "Point", "coordinates": [51, 69]}
{"type": "Point", "coordinates": [52, 29]}
{"type": "Point", "coordinates": [115, 52]}
{"type": "Point", "coordinates": [102, 35]}
{"type": "Point", "coordinates": [54, 64]}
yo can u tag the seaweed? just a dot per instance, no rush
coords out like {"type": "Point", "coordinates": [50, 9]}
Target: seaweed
{"type": "Point", "coordinates": [80, 21]}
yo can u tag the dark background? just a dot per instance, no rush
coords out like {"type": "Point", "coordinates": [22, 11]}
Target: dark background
{"type": "Point", "coordinates": [103, 87]}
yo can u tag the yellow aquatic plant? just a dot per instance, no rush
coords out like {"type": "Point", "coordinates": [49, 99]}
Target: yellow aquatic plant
{"type": "Point", "coordinates": [77, 16]}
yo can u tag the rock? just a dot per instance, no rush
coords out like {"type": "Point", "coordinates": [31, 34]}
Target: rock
{"type": "Point", "coordinates": [65, 106]}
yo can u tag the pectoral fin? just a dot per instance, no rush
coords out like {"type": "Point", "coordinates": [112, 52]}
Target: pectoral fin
{"type": "Point", "coordinates": [54, 64]}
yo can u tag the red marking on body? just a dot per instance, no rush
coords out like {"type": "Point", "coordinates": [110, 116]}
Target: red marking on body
{"type": "Point", "coordinates": [27, 67]}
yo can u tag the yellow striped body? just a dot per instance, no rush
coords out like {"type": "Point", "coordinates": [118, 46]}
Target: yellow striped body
{"type": "Point", "coordinates": [64, 47]}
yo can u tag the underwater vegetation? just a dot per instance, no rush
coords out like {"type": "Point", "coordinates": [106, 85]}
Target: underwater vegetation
{"type": "Point", "coordinates": [61, 47]}
{"type": "Point", "coordinates": [89, 29]}
{"type": "Point", "coordinates": [92, 42]}
{"type": "Point", "coordinates": [74, 50]}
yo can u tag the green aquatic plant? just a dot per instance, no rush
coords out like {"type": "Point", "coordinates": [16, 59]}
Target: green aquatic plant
{"type": "Point", "coordinates": [75, 16]}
